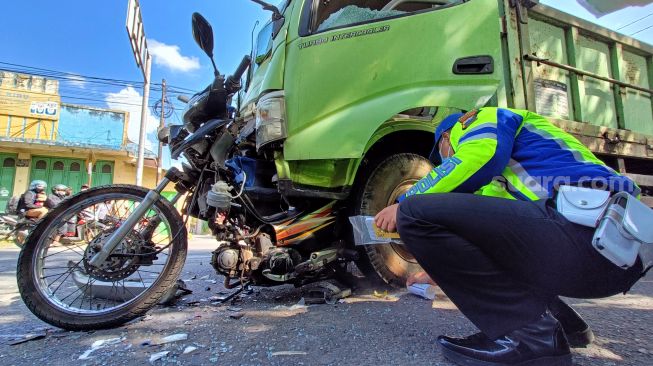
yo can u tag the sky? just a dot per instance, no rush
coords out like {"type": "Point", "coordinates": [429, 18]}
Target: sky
{"type": "Point", "coordinates": [89, 38]}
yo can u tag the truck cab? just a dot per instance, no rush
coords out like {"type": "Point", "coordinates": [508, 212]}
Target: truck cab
{"type": "Point", "coordinates": [344, 95]}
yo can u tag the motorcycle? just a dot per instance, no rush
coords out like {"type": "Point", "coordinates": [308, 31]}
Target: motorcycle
{"type": "Point", "coordinates": [15, 228]}
{"type": "Point", "coordinates": [124, 268]}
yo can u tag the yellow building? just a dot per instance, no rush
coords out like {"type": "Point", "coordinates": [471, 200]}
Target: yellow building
{"type": "Point", "coordinates": [42, 138]}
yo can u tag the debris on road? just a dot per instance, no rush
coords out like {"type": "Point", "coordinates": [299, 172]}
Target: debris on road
{"type": "Point", "coordinates": [234, 309]}
{"type": "Point", "coordinates": [157, 356]}
{"type": "Point", "coordinates": [288, 353]}
{"type": "Point", "coordinates": [301, 304]}
{"type": "Point", "coordinates": [99, 344]}
{"type": "Point", "coordinates": [174, 338]}
{"type": "Point", "coordinates": [384, 295]}
{"type": "Point", "coordinates": [236, 315]}
{"type": "Point", "coordinates": [189, 349]}
{"type": "Point", "coordinates": [381, 295]}
{"type": "Point", "coordinates": [27, 338]}
{"type": "Point", "coordinates": [325, 292]}
{"type": "Point", "coordinates": [176, 292]}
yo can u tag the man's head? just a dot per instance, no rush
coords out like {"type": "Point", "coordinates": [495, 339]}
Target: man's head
{"type": "Point", "coordinates": [38, 186]}
{"type": "Point", "coordinates": [59, 190]}
{"type": "Point", "coordinates": [442, 148]}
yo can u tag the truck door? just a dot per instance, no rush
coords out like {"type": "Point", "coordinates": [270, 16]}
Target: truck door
{"type": "Point", "coordinates": [356, 63]}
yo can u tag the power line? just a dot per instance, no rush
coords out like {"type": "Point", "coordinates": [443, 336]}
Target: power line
{"type": "Point", "coordinates": [641, 30]}
{"type": "Point", "coordinates": [86, 78]}
{"type": "Point", "coordinates": [633, 22]}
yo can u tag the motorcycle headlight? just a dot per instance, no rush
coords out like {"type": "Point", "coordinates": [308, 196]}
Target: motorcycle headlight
{"type": "Point", "coordinates": [194, 108]}
{"type": "Point", "coordinates": [270, 119]}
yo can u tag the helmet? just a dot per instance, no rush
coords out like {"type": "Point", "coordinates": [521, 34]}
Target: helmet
{"type": "Point", "coordinates": [59, 187]}
{"type": "Point", "coordinates": [443, 127]}
{"type": "Point", "coordinates": [38, 185]}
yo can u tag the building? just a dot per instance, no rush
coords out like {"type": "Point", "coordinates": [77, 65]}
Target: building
{"type": "Point", "coordinates": [42, 138]}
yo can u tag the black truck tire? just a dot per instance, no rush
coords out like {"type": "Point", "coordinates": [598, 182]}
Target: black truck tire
{"type": "Point", "coordinates": [70, 320]}
{"type": "Point", "coordinates": [390, 178]}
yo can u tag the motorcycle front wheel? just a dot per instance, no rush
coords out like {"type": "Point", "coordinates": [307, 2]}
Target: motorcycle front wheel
{"type": "Point", "coordinates": [61, 287]}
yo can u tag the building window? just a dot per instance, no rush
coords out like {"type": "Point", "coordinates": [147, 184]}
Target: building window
{"type": "Point", "coordinates": [106, 168]}
{"type": "Point", "coordinates": [9, 163]}
{"type": "Point", "coordinates": [57, 165]}
{"type": "Point", "coordinates": [41, 165]}
{"type": "Point", "coordinates": [75, 167]}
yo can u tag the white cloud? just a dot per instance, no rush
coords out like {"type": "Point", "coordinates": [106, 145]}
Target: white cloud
{"type": "Point", "coordinates": [129, 100]}
{"type": "Point", "coordinates": [77, 80]}
{"type": "Point", "coordinates": [169, 56]}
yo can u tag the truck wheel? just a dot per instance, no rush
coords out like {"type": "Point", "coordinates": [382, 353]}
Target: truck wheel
{"type": "Point", "coordinates": [392, 263]}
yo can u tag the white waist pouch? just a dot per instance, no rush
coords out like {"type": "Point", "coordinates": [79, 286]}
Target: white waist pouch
{"type": "Point", "coordinates": [583, 206]}
{"type": "Point", "coordinates": [625, 232]}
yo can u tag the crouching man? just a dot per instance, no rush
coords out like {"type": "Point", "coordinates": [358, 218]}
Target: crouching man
{"type": "Point", "coordinates": [484, 227]}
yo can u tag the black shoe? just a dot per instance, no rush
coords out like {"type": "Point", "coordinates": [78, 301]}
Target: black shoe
{"type": "Point", "coordinates": [541, 343]}
{"type": "Point", "coordinates": [578, 332]}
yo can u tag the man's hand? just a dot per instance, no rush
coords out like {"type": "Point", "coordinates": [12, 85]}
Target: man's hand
{"type": "Point", "coordinates": [386, 220]}
{"type": "Point", "coordinates": [420, 277]}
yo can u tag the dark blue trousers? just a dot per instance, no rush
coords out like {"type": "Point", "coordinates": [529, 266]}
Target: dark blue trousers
{"type": "Point", "coordinates": [503, 262]}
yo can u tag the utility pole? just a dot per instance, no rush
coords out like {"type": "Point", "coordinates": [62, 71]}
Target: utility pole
{"type": "Point", "coordinates": [162, 123]}
{"type": "Point", "coordinates": [143, 58]}
{"type": "Point", "coordinates": [140, 162]}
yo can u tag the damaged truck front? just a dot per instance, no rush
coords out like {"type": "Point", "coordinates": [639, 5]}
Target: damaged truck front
{"type": "Point", "coordinates": [344, 95]}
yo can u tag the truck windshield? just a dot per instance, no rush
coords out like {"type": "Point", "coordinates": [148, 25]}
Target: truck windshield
{"type": "Point", "coordinates": [340, 13]}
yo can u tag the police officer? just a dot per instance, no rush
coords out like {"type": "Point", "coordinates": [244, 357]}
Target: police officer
{"type": "Point", "coordinates": [494, 243]}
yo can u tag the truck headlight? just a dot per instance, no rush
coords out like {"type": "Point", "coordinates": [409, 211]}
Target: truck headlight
{"type": "Point", "coordinates": [270, 119]}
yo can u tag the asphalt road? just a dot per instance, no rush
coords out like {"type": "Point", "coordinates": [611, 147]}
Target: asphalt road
{"type": "Point", "coordinates": [398, 329]}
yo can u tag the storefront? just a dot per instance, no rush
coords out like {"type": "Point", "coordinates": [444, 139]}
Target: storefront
{"type": "Point", "coordinates": [42, 138]}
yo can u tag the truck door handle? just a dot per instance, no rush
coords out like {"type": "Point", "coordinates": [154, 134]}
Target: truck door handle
{"type": "Point", "coordinates": [475, 65]}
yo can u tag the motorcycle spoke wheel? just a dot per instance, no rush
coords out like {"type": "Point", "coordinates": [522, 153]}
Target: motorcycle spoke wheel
{"type": "Point", "coordinates": [139, 270]}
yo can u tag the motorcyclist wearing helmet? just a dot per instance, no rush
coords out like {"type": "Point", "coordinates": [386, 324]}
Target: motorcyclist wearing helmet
{"type": "Point", "coordinates": [58, 195]}
{"type": "Point", "coordinates": [34, 200]}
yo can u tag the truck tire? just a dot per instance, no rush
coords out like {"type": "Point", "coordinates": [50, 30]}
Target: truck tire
{"type": "Point", "coordinates": [381, 186]}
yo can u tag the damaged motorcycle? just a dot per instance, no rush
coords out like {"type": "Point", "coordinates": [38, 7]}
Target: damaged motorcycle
{"type": "Point", "coordinates": [123, 269]}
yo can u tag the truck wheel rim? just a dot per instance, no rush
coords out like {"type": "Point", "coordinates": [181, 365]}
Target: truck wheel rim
{"type": "Point", "coordinates": [401, 188]}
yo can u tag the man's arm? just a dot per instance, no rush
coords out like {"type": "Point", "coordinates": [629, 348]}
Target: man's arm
{"type": "Point", "coordinates": [29, 199]}
{"type": "Point", "coordinates": [483, 149]}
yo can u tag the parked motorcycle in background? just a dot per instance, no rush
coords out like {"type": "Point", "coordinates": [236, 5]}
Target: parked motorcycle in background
{"type": "Point", "coordinates": [15, 228]}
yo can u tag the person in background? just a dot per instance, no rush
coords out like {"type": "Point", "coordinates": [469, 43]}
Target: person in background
{"type": "Point", "coordinates": [59, 193]}
{"type": "Point", "coordinates": [34, 200]}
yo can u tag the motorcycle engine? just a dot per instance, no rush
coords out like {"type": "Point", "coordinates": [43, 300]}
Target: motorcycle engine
{"type": "Point", "coordinates": [241, 260]}
{"type": "Point", "coordinates": [231, 259]}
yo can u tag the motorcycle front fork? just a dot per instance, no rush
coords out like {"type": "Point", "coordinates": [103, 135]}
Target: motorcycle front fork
{"type": "Point", "coordinates": [132, 220]}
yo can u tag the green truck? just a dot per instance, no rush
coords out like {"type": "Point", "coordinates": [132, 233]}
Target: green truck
{"type": "Point", "coordinates": [345, 94]}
